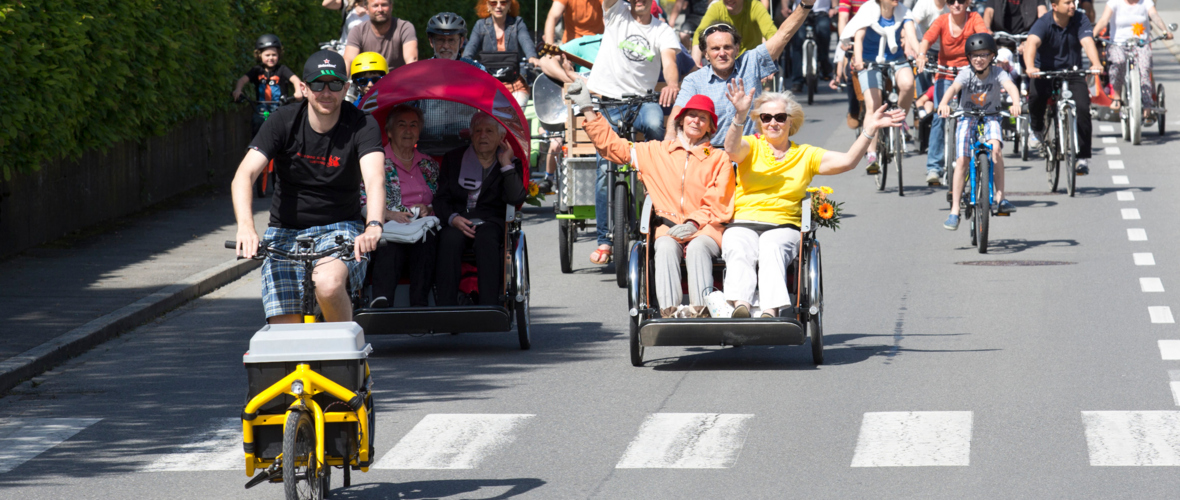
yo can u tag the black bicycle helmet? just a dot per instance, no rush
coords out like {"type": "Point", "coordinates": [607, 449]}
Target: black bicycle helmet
{"type": "Point", "coordinates": [446, 23]}
{"type": "Point", "coordinates": [268, 41]}
{"type": "Point", "coordinates": [981, 41]}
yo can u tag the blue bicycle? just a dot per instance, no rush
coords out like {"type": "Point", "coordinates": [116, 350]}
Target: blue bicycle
{"type": "Point", "coordinates": [979, 202]}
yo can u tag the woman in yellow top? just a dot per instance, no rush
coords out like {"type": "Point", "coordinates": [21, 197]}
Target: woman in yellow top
{"type": "Point", "coordinates": [772, 178]}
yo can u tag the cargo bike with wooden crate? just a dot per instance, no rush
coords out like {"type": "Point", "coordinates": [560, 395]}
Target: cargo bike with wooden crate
{"type": "Point", "coordinates": [449, 93]}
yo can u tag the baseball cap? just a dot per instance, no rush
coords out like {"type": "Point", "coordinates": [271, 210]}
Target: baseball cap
{"type": "Point", "coordinates": [324, 63]}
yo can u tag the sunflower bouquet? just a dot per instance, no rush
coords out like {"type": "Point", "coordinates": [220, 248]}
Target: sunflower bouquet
{"type": "Point", "coordinates": [535, 196]}
{"type": "Point", "coordinates": [824, 211]}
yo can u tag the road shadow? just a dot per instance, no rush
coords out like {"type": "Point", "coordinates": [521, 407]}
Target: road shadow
{"type": "Point", "coordinates": [839, 349]}
{"type": "Point", "coordinates": [448, 488]}
{"type": "Point", "coordinates": [1016, 245]}
{"type": "Point", "coordinates": [1095, 191]}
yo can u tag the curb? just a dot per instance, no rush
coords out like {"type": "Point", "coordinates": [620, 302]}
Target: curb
{"type": "Point", "coordinates": [43, 357]}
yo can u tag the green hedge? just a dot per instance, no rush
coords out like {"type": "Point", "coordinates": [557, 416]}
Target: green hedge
{"type": "Point", "coordinates": [83, 74]}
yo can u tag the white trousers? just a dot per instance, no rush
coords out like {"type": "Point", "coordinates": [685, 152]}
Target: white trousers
{"type": "Point", "coordinates": [758, 263]}
{"type": "Point", "coordinates": [698, 257]}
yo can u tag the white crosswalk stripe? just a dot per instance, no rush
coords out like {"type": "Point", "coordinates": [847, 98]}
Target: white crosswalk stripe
{"type": "Point", "coordinates": [1170, 350]}
{"type": "Point", "coordinates": [1116, 164]}
{"type": "Point", "coordinates": [1160, 314]}
{"type": "Point", "coordinates": [1144, 259]}
{"type": "Point", "coordinates": [1174, 376]}
{"type": "Point", "coordinates": [687, 441]}
{"type": "Point", "coordinates": [914, 439]}
{"type": "Point", "coordinates": [1124, 438]}
{"type": "Point", "coordinates": [22, 439]}
{"type": "Point", "coordinates": [453, 441]}
{"type": "Point", "coordinates": [216, 447]}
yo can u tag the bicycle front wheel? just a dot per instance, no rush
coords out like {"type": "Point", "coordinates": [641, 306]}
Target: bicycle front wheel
{"type": "Point", "coordinates": [623, 218]}
{"type": "Point", "coordinates": [983, 208]}
{"type": "Point", "coordinates": [301, 474]}
{"type": "Point", "coordinates": [1135, 105]}
{"type": "Point", "coordinates": [882, 163]}
{"type": "Point", "coordinates": [898, 146]}
{"type": "Point", "coordinates": [1067, 136]}
{"type": "Point", "coordinates": [1052, 161]}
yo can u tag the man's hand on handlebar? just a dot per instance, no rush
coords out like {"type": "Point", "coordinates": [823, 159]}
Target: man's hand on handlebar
{"type": "Point", "coordinates": [247, 243]}
{"type": "Point", "coordinates": [1034, 72]}
{"type": "Point", "coordinates": [367, 241]}
{"type": "Point", "coordinates": [668, 95]}
{"type": "Point", "coordinates": [921, 60]}
{"type": "Point", "coordinates": [1096, 68]}
{"type": "Point", "coordinates": [237, 95]}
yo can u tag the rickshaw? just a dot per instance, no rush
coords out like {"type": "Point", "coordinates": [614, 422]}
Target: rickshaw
{"type": "Point", "coordinates": [804, 282]}
{"type": "Point", "coordinates": [450, 92]}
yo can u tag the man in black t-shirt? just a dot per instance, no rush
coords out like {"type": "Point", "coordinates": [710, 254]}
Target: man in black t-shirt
{"type": "Point", "coordinates": [1013, 16]}
{"type": "Point", "coordinates": [322, 149]}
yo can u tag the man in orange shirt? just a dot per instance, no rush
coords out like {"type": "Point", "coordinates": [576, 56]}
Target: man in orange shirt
{"type": "Point", "coordinates": [579, 18]}
{"type": "Point", "coordinates": [951, 30]}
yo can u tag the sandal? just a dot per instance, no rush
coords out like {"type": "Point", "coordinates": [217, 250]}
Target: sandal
{"type": "Point", "coordinates": [600, 256]}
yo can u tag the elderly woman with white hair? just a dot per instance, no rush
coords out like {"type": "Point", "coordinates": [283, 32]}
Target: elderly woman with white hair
{"type": "Point", "coordinates": [476, 186]}
{"type": "Point", "coordinates": [773, 174]}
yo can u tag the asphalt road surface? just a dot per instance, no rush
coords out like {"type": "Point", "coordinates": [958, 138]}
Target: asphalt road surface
{"type": "Point", "coordinates": [949, 374]}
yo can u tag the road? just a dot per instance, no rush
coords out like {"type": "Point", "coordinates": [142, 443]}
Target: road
{"type": "Point", "coordinates": [1046, 372]}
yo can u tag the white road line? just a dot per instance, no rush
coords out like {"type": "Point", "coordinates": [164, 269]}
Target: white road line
{"type": "Point", "coordinates": [687, 441]}
{"type": "Point", "coordinates": [1169, 350]}
{"type": "Point", "coordinates": [22, 439]}
{"type": "Point", "coordinates": [914, 439]}
{"type": "Point", "coordinates": [1119, 179]}
{"type": "Point", "coordinates": [1174, 375]}
{"type": "Point", "coordinates": [1130, 214]}
{"type": "Point", "coordinates": [1109, 140]}
{"type": "Point", "coordinates": [452, 441]}
{"type": "Point", "coordinates": [1137, 234]}
{"type": "Point", "coordinates": [1125, 196]}
{"type": "Point", "coordinates": [216, 447]}
{"type": "Point", "coordinates": [1161, 314]}
{"type": "Point", "coordinates": [1151, 285]}
{"type": "Point", "coordinates": [1112, 151]}
{"type": "Point", "coordinates": [1144, 259]}
{"type": "Point", "coordinates": [1106, 128]}
{"type": "Point", "coordinates": [1116, 164]}
{"type": "Point", "coordinates": [1130, 438]}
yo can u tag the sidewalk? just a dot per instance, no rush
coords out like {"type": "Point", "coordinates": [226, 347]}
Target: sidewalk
{"type": "Point", "coordinates": [153, 261]}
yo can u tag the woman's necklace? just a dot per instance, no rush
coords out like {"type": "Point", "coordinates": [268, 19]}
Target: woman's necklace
{"type": "Point", "coordinates": [779, 155]}
{"type": "Point", "coordinates": [405, 161]}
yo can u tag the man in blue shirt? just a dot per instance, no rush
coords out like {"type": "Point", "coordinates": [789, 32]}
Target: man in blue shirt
{"type": "Point", "coordinates": [1055, 42]}
{"type": "Point", "coordinates": [721, 44]}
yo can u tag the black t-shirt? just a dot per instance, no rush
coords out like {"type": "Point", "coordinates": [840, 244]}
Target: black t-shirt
{"type": "Point", "coordinates": [1061, 48]}
{"type": "Point", "coordinates": [271, 84]}
{"type": "Point", "coordinates": [319, 175]}
{"type": "Point", "coordinates": [1013, 16]}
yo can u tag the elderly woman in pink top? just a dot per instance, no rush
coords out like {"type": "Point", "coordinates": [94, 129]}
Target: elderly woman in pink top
{"type": "Point", "coordinates": [411, 179]}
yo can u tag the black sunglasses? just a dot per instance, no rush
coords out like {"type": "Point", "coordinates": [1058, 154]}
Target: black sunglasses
{"type": "Point", "coordinates": [334, 86]}
{"type": "Point", "coordinates": [964, 2]}
{"type": "Point", "coordinates": [361, 82]}
{"type": "Point", "coordinates": [766, 117]}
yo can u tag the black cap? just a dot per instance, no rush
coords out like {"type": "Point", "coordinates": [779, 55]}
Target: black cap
{"type": "Point", "coordinates": [324, 63]}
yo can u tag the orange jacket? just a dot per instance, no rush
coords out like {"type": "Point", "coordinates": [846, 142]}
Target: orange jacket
{"type": "Point", "coordinates": [684, 185]}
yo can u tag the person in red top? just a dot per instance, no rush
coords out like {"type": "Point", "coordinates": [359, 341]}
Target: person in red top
{"type": "Point", "coordinates": [579, 17]}
{"type": "Point", "coordinates": [951, 30]}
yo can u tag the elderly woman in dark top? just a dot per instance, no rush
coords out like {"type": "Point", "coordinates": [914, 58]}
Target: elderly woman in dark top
{"type": "Point", "coordinates": [501, 30]}
{"type": "Point", "coordinates": [476, 186]}
{"type": "Point", "coordinates": [411, 179]}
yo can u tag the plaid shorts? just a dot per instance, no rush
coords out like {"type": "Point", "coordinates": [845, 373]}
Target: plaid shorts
{"type": "Point", "coordinates": [965, 133]}
{"type": "Point", "coordinates": [282, 280]}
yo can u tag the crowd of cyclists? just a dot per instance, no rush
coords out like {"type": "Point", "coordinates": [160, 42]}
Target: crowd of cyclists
{"type": "Point", "coordinates": [718, 159]}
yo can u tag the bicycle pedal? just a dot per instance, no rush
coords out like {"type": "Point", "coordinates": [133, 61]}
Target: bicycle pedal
{"type": "Point", "coordinates": [1001, 214]}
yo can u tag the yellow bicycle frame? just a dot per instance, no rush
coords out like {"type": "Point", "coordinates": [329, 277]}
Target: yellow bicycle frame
{"type": "Point", "coordinates": [313, 383]}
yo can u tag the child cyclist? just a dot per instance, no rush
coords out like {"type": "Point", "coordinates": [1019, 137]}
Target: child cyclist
{"type": "Point", "coordinates": [274, 81]}
{"type": "Point", "coordinates": [367, 68]}
{"type": "Point", "coordinates": [980, 84]}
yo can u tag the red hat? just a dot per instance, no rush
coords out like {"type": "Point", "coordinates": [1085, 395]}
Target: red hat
{"type": "Point", "coordinates": [700, 102]}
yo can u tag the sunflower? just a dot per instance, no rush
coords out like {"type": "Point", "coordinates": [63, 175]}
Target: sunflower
{"type": "Point", "coordinates": [826, 211]}
{"type": "Point", "coordinates": [533, 188]}
{"type": "Point", "coordinates": [826, 190]}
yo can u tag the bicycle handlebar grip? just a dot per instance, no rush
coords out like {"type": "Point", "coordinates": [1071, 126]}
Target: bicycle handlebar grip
{"type": "Point", "coordinates": [231, 244]}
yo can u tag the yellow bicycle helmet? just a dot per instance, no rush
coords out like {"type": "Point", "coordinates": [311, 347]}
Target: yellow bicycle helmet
{"type": "Point", "coordinates": [369, 61]}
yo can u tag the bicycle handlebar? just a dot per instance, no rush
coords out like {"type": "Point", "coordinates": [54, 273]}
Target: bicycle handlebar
{"type": "Point", "coordinates": [979, 113]}
{"type": "Point", "coordinates": [631, 99]}
{"type": "Point", "coordinates": [1066, 72]}
{"type": "Point", "coordinates": [343, 250]}
{"type": "Point", "coordinates": [1009, 36]}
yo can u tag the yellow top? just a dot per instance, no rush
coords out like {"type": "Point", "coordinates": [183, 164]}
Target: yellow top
{"type": "Point", "coordinates": [754, 23]}
{"type": "Point", "coordinates": [772, 191]}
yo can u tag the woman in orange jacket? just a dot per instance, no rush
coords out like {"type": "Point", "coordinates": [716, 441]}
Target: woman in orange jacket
{"type": "Point", "coordinates": [691, 186]}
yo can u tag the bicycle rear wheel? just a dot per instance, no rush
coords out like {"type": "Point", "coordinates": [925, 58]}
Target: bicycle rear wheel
{"type": "Point", "coordinates": [882, 163]}
{"type": "Point", "coordinates": [1159, 104]}
{"type": "Point", "coordinates": [1135, 106]}
{"type": "Point", "coordinates": [1025, 132]}
{"type": "Point", "coordinates": [983, 209]}
{"type": "Point", "coordinates": [1068, 134]}
{"type": "Point", "coordinates": [810, 69]}
{"type": "Point", "coordinates": [898, 146]}
{"type": "Point", "coordinates": [1052, 161]}
{"type": "Point", "coordinates": [623, 218]}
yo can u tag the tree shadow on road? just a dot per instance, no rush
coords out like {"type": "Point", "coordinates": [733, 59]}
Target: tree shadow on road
{"type": "Point", "coordinates": [448, 488]}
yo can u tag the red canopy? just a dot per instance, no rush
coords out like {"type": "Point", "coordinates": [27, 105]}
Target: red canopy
{"type": "Point", "coordinates": [454, 81]}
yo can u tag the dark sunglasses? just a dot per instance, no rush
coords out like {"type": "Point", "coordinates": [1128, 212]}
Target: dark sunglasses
{"type": "Point", "coordinates": [334, 86]}
{"type": "Point", "coordinates": [964, 2]}
{"type": "Point", "coordinates": [766, 117]}
{"type": "Point", "coordinates": [361, 82]}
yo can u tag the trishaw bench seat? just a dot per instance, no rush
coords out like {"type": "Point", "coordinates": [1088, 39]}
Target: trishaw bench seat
{"type": "Point", "coordinates": [448, 319]}
{"type": "Point", "coordinates": [721, 331]}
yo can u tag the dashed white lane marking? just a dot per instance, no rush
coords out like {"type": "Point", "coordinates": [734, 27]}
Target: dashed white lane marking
{"type": "Point", "coordinates": [687, 441]}
{"type": "Point", "coordinates": [217, 447]}
{"type": "Point", "coordinates": [1125, 196]}
{"type": "Point", "coordinates": [452, 441]}
{"type": "Point", "coordinates": [1112, 151]}
{"type": "Point", "coordinates": [1169, 350]}
{"type": "Point", "coordinates": [1144, 259]}
{"type": "Point", "coordinates": [1129, 438]}
{"type": "Point", "coordinates": [1151, 285]}
{"type": "Point", "coordinates": [1130, 214]}
{"type": "Point", "coordinates": [1137, 234]}
{"type": "Point", "coordinates": [1174, 375]}
{"type": "Point", "coordinates": [22, 439]}
{"type": "Point", "coordinates": [1120, 179]}
{"type": "Point", "coordinates": [1106, 128]}
{"type": "Point", "coordinates": [1116, 165]}
{"type": "Point", "coordinates": [1109, 140]}
{"type": "Point", "coordinates": [914, 439]}
{"type": "Point", "coordinates": [1160, 314]}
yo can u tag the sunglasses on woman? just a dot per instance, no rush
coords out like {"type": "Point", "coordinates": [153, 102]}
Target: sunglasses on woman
{"type": "Point", "coordinates": [498, 4]}
{"type": "Point", "coordinates": [780, 117]}
{"type": "Point", "coordinates": [361, 82]}
{"type": "Point", "coordinates": [334, 86]}
{"type": "Point", "coordinates": [964, 2]}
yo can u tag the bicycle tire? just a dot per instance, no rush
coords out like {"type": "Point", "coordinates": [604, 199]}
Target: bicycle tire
{"type": "Point", "coordinates": [810, 71]}
{"type": "Point", "coordinates": [523, 288]}
{"type": "Point", "coordinates": [1135, 92]}
{"type": "Point", "coordinates": [1052, 161]}
{"type": "Point", "coordinates": [815, 323]}
{"type": "Point", "coordinates": [882, 164]}
{"type": "Point", "coordinates": [1025, 132]}
{"type": "Point", "coordinates": [898, 147]}
{"type": "Point", "coordinates": [1159, 104]}
{"type": "Point", "coordinates": [622, 219]}
{"type": "Point", "coordinates": [1124, 116]}
{"type": "Point", "coordinates": [640, 289]}
{"type": "Point", "coordinates": [1068, 155]}
{"type": "Point", "coordinates": [299, 444]}
{"type": "Point", "coordinates": [983, 209]}
{"type": "Point", "coordinates": [565, 245]}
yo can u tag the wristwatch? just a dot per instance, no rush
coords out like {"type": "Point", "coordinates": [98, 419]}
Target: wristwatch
{"type": "Point", "coordinates": [374, 223]}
